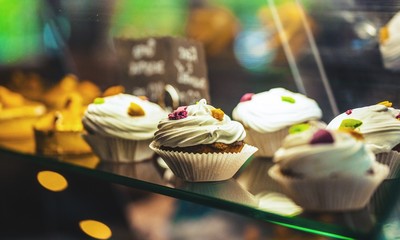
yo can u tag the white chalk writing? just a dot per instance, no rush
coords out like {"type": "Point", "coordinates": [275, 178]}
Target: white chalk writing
{"type": "Point", "coordinates": [187, 54]}
{"type": "Point", "coordinates": [144, 50]}
{"type": "Point", "coordinates": [184, 76]}
{"type": "Point", "coordinates": [147, 68]}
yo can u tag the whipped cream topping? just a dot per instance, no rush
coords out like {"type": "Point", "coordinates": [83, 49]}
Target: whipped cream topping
{"type": "Point", "coordinates": [380, 127]}
{"type": "Point", "coordinates": [276, 109]}
{"type": "Point", "coordinates": [301, 155]}
{"type": "Point", "coordinates": [110, 117]}
{"type": "Point", "coordinates": [198, 126]}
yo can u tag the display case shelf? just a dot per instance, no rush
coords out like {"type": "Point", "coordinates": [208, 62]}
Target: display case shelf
{"type": "Point", "coordinates": [250, 192]}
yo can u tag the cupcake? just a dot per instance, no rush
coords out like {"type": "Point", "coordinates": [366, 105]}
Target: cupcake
{"type": "Point", "coordinates": [119, 128]}
{"type": "Point", "coordinates": [59, 132]}
{"type": "Point", "coordinates": [17, 115]}
{"type": "Point", "coordinates": [267, 117]}
{"type": "Point", "coordinates": [380, 126]}
{"type": "Point", "coordinates": [200, 143]}
{"type": "Point", "coordinates": [323, 170]}
{"type": "Point", "coordinates": [389, 39]}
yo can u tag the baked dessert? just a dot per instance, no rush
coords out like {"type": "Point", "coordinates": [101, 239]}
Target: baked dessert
{"type": "Point", "coordinates": [120, 127]}
{"type": "Point", "coordinates": [56, 97]}
{"type": "Point", "coordinates": [267, 117]}
{"type": "Point", "coordinates": [17, 115]}
{"type": "Point", "coordinates": [380, 126]}
{"type": "Point", "coordinates": [327, 170]}
{"type": "Point", "coordinates": [389, 38]}
{"type": "Point", "coordinates": [201, 143]}
{"type": "Point", "coordinates": [59, 132]}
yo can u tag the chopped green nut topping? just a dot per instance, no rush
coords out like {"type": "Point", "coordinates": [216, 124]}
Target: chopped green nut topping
{"type": "Point", "coordinates": [298, 128]}
{"type": "Point", "coordinates": [350, 124]}
{"type": "Point", "coordinates": [98, 100]}
{"type": "Point", "coordinates": [288, 99]}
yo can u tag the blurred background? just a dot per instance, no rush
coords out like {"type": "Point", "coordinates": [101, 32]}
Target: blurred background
{"type": "Point", "coordinates": [328, 50]}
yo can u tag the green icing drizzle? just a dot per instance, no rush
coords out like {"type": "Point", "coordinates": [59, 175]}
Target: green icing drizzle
{"type": "Point", "coordinates": [288, 99]}
{"type": "Point", "coordinates": [350, 123]}
{"type": "Point", "coordinates": [98, 100]}
{"type": "Point", "coordinates": [298, 128]}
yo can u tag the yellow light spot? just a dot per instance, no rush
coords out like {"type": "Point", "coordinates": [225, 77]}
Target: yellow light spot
{"type": "Point", "coordinates": [52, 181]}
{"type": "Point", "coordinates": [95, 229]}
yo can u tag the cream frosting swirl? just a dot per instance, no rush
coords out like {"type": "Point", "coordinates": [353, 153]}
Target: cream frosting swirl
{"type": "Point", "coordinates": [345, 156]}
{"type": "Point", "coordinates": [111, 118]}
{"type": "Point", "coordinates": [275, 109]}
{"type": "Point", "coordinates": [380, 127]}
{"type": "Point", "coordinates": [198, 127]}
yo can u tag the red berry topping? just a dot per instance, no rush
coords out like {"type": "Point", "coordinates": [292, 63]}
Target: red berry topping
{"type": "Point", "coordinates": [322, 136]}
{"type": "Point", "coordinates": [179, 113]}
{"type": "Point", "coordinates": [348, 112]}
{"type": "Point", "coordinates": [398, 117]}
{"type": "Point", "coordinates": [247, 97]}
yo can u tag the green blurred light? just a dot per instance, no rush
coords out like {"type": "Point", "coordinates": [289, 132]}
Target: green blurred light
{"type": "Point", "coordinates": [313, 231]}
{"type": "Point", "coordinates": [19, 30]}
{"type": "Point", "coordinates": [144, 18]}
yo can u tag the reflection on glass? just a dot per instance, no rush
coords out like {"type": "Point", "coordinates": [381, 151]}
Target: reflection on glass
{"type": "Point", "coordinates": [83, 160]}
{"type": "Point", "coordinates": [228, 190]}
{"type": "Point", "coordinates": [95, 229]}
{"type": "Point", "coordinates": [278, 203]}
{"type": "Point", "coordinates": [52, 181]}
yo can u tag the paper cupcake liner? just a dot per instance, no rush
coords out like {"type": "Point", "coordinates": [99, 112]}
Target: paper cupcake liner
{"type": "Point", "coordinates": [391, 159]}
{"type": "Point", "coordinates": [331, 194]}
{"type": "Point", "coordinates": [267, 143]}
{"type": "Point", "coordinates": [111, 149]}
{"type": "Point", "coordinates": [203, 167]}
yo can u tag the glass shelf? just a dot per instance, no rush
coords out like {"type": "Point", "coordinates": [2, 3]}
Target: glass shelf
{"type": "Point", "coordinates": [250, 192]}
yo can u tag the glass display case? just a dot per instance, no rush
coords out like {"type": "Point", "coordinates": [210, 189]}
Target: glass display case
{"type": "Point", "coordinates": [335, 52]}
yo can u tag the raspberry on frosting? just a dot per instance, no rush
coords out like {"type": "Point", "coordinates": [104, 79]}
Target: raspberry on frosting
{"type": "Point", "coordinates": [246, 97]}
{"type": "Point", "coordinates": [322, 136]}
{"type": "Point", "coordinates": [179, 113]}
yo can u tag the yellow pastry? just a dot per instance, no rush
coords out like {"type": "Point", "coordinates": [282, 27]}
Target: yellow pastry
{"type": "Point", "coordinates": [17, 115]}
{"type": "Point", "coordinates": [59, 132]}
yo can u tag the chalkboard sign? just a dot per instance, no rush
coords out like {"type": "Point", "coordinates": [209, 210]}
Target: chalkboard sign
{"type": "Point", "coordinates": [163, 68]}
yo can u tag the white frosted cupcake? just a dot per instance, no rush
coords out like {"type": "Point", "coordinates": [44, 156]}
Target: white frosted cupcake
{"type": "Point", "coordinates": [267, 117]}
{"type": "Point", "coordinates": [380, 126]}
{"type": "Point", "coordinates": [120, 127]}
{"type": "Point", "coordinates": [389, 39]}
{"type": "Point", "coordinates": [324, 170]}
{"type": "Point", "coordinates": [200, 143]}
